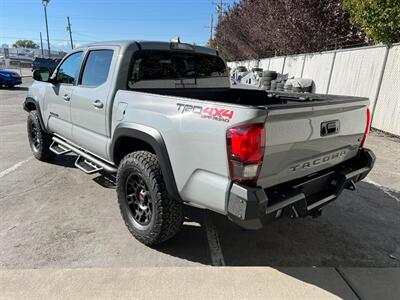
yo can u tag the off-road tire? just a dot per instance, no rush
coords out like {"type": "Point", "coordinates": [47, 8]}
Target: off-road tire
{"type": "Point", "coordinates": [167, 213]}
{"type": "Point", "coordinates": [41, 141]}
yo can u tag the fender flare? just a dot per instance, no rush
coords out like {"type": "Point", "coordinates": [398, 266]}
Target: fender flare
{"type": "Point", "coordinates": [152, 137]}
{"type": "Point", "coordinates": [34, 102]}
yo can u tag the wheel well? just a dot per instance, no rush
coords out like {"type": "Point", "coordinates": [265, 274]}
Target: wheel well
{"type": "Point", "coordinates": [126, 145]}
{"type": "Point", "coordinates": [30, 106]}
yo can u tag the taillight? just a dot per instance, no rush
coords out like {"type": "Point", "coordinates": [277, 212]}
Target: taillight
{"type": "Point", "coordinates": [245, 146]}
{"type": "Point", "coordinates": [366, 128]}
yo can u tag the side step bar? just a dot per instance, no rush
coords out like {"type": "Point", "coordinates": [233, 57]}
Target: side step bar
{"type": "Point", "coordinates": [58, 149]}
{"type": "Point", "coordinates": [89, 164]}
{"type": "Point", "coordinates": [86, 165]}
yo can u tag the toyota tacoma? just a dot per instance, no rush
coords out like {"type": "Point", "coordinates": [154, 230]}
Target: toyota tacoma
{"type": "Point", "coordinates": [164, 118]}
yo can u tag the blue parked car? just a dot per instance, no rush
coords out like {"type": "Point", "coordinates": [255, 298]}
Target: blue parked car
{"type": "Point", "coordinates": [9, 78]}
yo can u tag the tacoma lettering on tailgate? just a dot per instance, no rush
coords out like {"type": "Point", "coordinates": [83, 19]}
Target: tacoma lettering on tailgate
{"type": "Point", "coordinates": [317, 161]}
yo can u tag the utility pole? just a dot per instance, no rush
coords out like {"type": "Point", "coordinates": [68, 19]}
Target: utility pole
{"type": "Point", "coordinates": [45, 3]}
{"type": "Point", "coordinates": [211, 28]}
{"type": "Point", "coordinates": [220, 9]}
{"type": "Point", "coordinates": [69, 29]}
{"type": "Point", "coordinates": [41, 44]}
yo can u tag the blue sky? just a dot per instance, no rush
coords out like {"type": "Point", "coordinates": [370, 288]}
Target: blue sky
{"type": "Point", "coordinates": [100, 20]}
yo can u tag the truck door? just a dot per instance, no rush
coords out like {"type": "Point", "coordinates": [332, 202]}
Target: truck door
{"type": "Point", "coordinates": [91, 100]}
{"type": "Point", "coordinates": [56, 108]}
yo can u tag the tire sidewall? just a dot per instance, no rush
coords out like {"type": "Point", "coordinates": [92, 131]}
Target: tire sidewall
{"type": "Point", "coordinates": [42, 152]}
{"type": "Point", "coordinates": [123, 175]}
{"type": "Point", "coordinates": [32, 120]}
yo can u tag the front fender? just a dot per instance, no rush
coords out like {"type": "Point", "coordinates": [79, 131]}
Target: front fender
{"type": "Point", "coordinates": [31, 104]}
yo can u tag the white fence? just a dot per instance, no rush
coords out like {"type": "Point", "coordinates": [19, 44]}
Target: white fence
{"type": "Point", "coordinates": [372, 72]}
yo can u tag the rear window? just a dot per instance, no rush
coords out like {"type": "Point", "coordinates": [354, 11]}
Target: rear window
{"type": "Point", "coordinates": [156, 65]}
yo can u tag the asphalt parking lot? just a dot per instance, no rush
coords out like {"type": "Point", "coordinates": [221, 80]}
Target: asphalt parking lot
{"type": "Point", "coordinates": [54, 216]}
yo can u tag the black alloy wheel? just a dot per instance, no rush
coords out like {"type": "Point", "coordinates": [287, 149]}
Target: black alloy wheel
{"type": "Point", "coordinates": [139, 199]}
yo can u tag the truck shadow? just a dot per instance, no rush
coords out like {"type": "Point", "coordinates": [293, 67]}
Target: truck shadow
{"type": "Point", "coordinates": [360, 229]}
{"type": "Point", "coordinates": [66, 160]}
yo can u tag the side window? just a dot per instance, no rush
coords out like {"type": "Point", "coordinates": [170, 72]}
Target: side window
{"type": "Point", "coordinates": [97, 67]}
{"type": "Point", "coordinates": [69, 69]}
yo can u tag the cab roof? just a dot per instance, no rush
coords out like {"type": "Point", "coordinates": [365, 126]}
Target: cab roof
{"type": "Point", "coordinates": [151, 45]}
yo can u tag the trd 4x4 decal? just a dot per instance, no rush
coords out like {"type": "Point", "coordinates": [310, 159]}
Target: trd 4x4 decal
{"type": "Point", "coordinates": [211, 113]}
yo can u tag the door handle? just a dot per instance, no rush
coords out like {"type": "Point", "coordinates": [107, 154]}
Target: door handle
{"type": "Point", "coordinates": [98, 104]}
{"type": "Point", "coordinates": [67, 97]}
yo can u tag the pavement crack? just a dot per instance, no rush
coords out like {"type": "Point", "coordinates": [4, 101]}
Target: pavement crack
{"type": "Point", "coordinates": [341, 274]}
{"type": "Point", "coordinates": [34, 187]}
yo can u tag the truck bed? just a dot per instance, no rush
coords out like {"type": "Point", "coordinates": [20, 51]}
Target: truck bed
{"type": "Point", "coordinates": [259, 98]}
{"type": "Point", "coordinates": [296, 145]}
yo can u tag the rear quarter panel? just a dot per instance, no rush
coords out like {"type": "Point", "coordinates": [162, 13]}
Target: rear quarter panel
{"type": "Point", "coordinates": [195, 141]}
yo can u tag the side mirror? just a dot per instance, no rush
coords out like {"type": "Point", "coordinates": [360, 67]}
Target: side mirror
{"type": "Point", "coordinates": [41, 75]}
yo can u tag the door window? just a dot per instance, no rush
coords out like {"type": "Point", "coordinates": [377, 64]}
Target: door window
{"type": "Point", "coordinates": [69, 69]}
{"type": "Point", "coordinates": [97, 67]}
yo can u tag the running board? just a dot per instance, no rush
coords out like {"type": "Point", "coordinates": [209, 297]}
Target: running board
{"type": "Point", "coordinates": [58, 149]}
{"type": "Point", "coordinates": [86, 165]}
{"type": "Point", "coordinates": [89, 162]}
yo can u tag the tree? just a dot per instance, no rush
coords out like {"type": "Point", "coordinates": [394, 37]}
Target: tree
{"type": "Point", "coordinates": [380, 19]}
{"type": "Point", "coordinates": [262, 28]}
{"type": "Point", "coordinates": [25, 44]}
{"type": "Point", "coordinates": [212, 43]}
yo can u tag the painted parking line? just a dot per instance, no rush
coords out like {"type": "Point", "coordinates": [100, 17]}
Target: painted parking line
{"type": "Point", "coordinates": [14, 167]}
{"type": "Point", "coordinates": [217, 257]}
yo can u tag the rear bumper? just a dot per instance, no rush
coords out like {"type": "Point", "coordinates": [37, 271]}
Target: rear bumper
{"type": "Point", "coordinates": [251, 207]}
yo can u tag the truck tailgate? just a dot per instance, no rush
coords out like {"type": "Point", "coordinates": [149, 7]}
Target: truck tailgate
{"type": "Point", "coordinates": [303, 140]}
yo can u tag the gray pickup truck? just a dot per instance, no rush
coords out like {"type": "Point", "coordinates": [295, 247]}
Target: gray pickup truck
{"type": "Point", "coordinates": [163, 118]}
